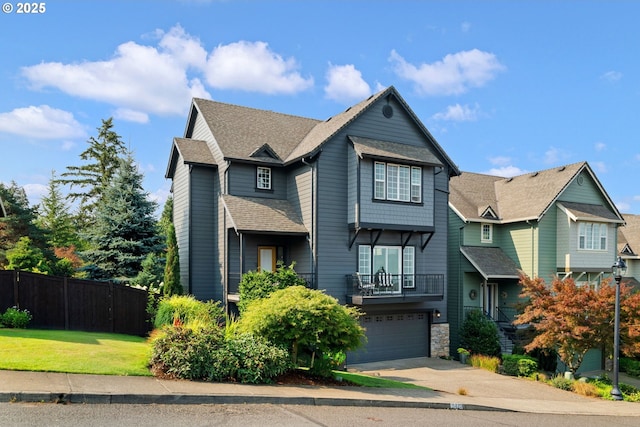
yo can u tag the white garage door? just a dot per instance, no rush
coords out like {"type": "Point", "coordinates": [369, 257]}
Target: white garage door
{"type": "Point", "coordinates": [393, 336]}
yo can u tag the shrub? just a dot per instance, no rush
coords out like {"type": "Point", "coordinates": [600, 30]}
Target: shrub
{"type": "Point", "coordinates": [518, 365]}
{"type": "Point", "coordinates": [187, 309]}
{"type": "Point", "coordinates": [260, 284]}
{"type": "Point", "coordinates": [15, 318]}
{"type": "Point", "coordinates": [489, 363]}
{"type": "Point", "coordinates": [562, 383]}
{"type": "Point", "coordinates": [630, 366]}
{"type": "Point", "coordinates": [184, 352]}
{"type": "Point", "coordinates": [479, 334]}
{"type": "Point", "coordinates": [302, 319]}
{"type": "Point", "coordinates": [258, 360]}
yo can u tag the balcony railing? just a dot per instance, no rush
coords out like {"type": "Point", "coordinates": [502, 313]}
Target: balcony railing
{"type": "Point", "coordinates": [234, 281]}
{"type": "Point", "coordinates": [374, 286]}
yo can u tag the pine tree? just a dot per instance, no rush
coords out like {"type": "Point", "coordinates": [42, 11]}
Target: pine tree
{"type": "Point", "coordinates": [172, 285]}
{"type": "Point", "coordinates": [54, 217]}
{"type": "Point", "coordinates": [125, 231]}
{"type": "Point", "coordinates": [104, 155]}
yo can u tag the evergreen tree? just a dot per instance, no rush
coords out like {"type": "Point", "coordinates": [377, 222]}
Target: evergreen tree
{"type": "Point", "coordinates": [25, 256]}
{"type": "Point", "coordinates": [55, 218]}
{"type": "Point", "coordinates": [104, 154]}
{"type": "Point", "coordinates": [172, 285]}
{"type": "Point", "coordinates": [125, 231]}
{"type": "Point", "coordinates": [19, 222]}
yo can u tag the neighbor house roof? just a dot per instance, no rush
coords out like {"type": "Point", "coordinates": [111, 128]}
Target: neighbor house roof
{"type": "Point", "coordinates": [524, 197]}
{"type": "Point", "coordinates": [262, 215]}
{"type": "Point", "coordinates": [629, 235]}
{"type": "Point", "coordinates": [491, 263]}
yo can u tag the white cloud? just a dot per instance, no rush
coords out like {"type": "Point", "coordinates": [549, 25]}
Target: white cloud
{"type": "Point", "coordinates": [131, 115]}
{"type": "Point", "coordinates": [453, 75]}
{"type": "Point", "coordinates": [555, 155]}
{"type": "Point", "coordinates": [465, 27]}
{"type": "Point", "coordinates": [35, 192]}
{"type": "Point", "coordinates": [612, 76]}
{"type": "Point", "coordinates": [138, 78]}
{"type": "Point", "coordinates": [500, 160]}
{"type": "Point", "coordinates": [600, 146]}
{"type": "Point", "coordinates": [600, 167]}
{"type": "Point", "coordinates": [253, 67]}
{"type": "Point", "coordinates": [623, 206]}
{"type": "Point", "coordinates": [345, 84]}
{"type": "Point", "coordinates": [41, 122]}
{"type": "Point", "coordinates": [459, 113]}
{"type": "Point", "coordinates": [67, 145]}
{"type": "Point", "coordinates": [506, 171]}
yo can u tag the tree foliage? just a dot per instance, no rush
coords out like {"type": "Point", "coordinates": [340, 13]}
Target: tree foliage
{"type": "Point", "coordinates": [19, 222]}
{"type": "Point", "coordinates": [125, 231]}
{"type": "Point", "coordinates": [89, 182]}
{"type": "Point", "coordinates": [302, 319]}
{"type": "Point", "coordinates": [479, 334]}
{"type": "Point", "coordinates": [171, 283]}
{"type": "Point", "coordinates": [260, 284]}
{"type": "Point", "coordinates": [55, 218]}
{"type": "Point", "coordinates": [27, 257]}
{"type": "Point", "coordinates": [574, 319]}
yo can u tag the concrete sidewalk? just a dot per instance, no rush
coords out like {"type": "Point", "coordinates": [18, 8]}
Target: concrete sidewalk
{"type": "Point", "coordinates": [484, 391]}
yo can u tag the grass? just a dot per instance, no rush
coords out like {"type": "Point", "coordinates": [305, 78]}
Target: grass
{"type": "Point", "coordinates": [73, 352]}
{"type": "Point", "coordinates": [376, 382]}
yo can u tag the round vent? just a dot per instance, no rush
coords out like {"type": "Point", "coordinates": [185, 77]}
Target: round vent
{"type": "Point", "coordinates": [387, 111]}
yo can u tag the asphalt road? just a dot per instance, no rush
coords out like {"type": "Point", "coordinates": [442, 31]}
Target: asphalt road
{"type": "Point", "coordinates": [94, 415]}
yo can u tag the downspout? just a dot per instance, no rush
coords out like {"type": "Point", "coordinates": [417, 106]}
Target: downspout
{"type": "Point", "coordinates": [533, 260]}
{"type": "Point", "coordinates": [311, 237]}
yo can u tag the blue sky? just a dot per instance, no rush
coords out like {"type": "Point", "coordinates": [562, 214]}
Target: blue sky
{"type": "Point", "coordinates": [505, 87]}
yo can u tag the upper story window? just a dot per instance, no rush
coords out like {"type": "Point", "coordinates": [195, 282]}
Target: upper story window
{"type": "Point", "coordinates": [487, 233]}
{"type": "Point", "coordinates": [592, 236]}
{"type": "Point", "coordinates": [397, 182]}
{"type": "Point", "coordinates": [263, 178]}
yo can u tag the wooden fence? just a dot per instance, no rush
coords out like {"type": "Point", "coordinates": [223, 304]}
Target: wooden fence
{"type": "Point", "coordinates": [75, 304]}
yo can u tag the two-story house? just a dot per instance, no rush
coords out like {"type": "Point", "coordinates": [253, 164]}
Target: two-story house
{"type": "Point", "coordinates": [358, 201]}
{"type": "Point", "coordinates": [629, 248]}
{"type": "Point", "coordinates": [558, 222]}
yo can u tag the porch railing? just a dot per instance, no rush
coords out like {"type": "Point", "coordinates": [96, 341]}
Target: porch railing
{"type": "Point", "coordinates": [395, 284]}
{"type": "Point", "coordinates": [234, 281]}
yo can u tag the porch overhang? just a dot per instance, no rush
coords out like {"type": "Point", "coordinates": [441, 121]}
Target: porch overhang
{"type": "Point", "coordinates": [491, 263]}
{"type": "Point", "coordinates": [263, 216]}
{"type": "Point", "coordinates": [394, 151]}
{"type": "Point", "coordinates": [406, 231]}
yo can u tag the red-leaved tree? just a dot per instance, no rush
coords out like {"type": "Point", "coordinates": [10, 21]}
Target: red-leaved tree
{"type": "Point", "coordinates": [573, 319]}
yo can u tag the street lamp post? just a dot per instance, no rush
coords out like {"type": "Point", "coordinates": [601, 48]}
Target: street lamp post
{"type": "Point", "coordinates": [618, 269]}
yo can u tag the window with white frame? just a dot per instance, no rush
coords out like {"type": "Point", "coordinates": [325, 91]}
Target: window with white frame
{"type": "Point", "coordinates": [397, 182]}
{"type": "Point", "coordinates": [397, 264]}
{"type": "Point", "coordinates": [592, 236]}
{"type": "Point", "coordinates": [263, 178]}
{"type": "Point", "coordinates": [487, 233]}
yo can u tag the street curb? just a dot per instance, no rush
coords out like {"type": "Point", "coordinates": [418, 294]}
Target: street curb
{"type": "Point", "coordinates": [199, 399]}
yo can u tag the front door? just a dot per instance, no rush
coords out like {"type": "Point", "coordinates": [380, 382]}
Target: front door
{"type": "Point", "coordinates": [490, 300]}
{"type": "Point", "coordinates": [267, 258]}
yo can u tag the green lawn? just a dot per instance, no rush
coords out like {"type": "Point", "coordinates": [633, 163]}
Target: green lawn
{"type": "Point", "coordinates": [73, 352]}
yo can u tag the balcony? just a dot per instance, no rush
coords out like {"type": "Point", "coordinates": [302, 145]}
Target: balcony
{"type": "Point", "coordinates": [369, 289]}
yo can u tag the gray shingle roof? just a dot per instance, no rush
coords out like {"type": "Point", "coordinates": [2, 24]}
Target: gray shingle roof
{"type": "Point", "coordinates": [260, 215]}
{"type": "Point", "coordinates": [240, 130]}
{"type": "Point", "coordinates": [520, 198]}
{"type": "Point", "coordinates": [586, 212]}
{"type": "Point", "coordinates": [491, 263]}
{"type": "Point", "coordinates": [385, 150]}
{"type": "Point", "coordinates": [194, 151]}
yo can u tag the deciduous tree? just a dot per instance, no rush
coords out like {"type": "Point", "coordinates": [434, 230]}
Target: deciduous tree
{"type": "Point", "coordinates": [574, 319]}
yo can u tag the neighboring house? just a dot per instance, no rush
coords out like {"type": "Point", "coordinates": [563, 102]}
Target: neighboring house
{"type": "Point", "coordinates": [629, 248]}
{"type": "Point", "coordinates": [358, 201]}
{"type": "Point", "coordinates": [557, 222]}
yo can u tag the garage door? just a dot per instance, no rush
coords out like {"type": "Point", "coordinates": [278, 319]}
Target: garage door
{"type": "Point", "coordinates": [393, 336]}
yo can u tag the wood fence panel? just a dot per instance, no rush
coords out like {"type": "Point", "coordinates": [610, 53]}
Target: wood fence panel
{"type": "Point", "coordinates": [67, 303]}
{"type": "Point", "coordinates": [44, 297]}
